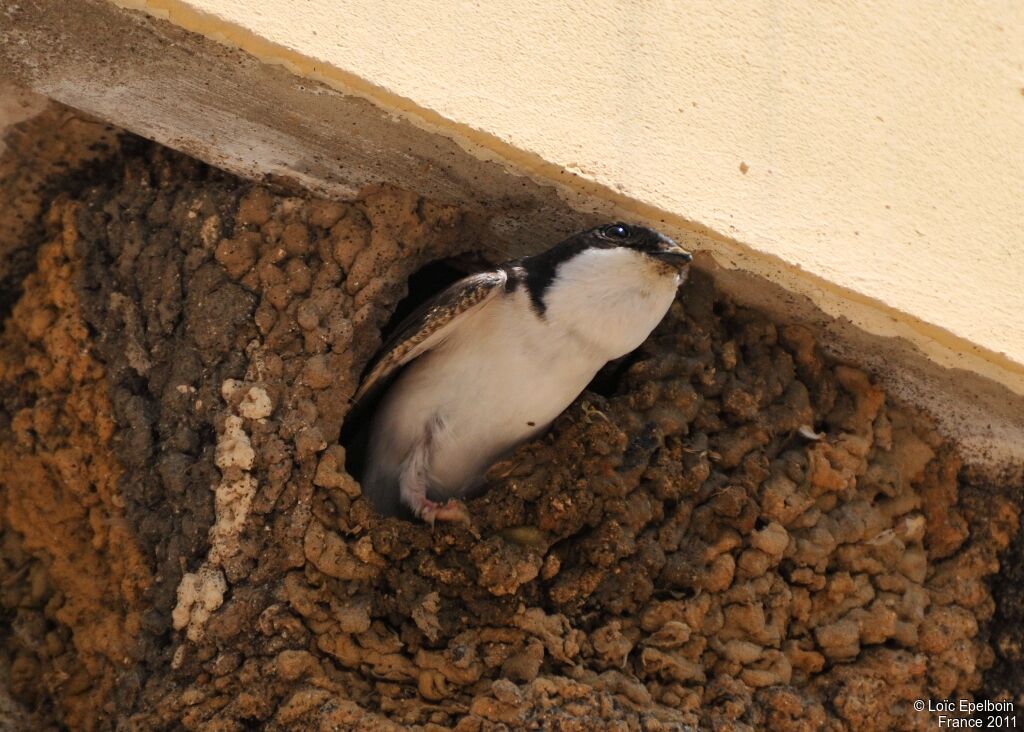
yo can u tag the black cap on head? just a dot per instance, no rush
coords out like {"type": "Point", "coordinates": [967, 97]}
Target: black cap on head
{"type": "Point", "coordinates": [642, 239]}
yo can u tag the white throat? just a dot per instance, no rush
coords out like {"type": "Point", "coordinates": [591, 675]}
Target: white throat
{"type": "Point", "coordinates": [610, 299]}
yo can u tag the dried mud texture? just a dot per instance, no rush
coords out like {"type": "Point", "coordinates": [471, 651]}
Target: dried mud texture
{"type": "Point", "coordinates": [1005, 679]}
{"type": "Point", "coordinates": [58, 147]}
{"type": "Point", "coordinates": [69, 602]}
{"type": "Point", "coordinates": [739, 535]}
{"type": "Point", "coordinates": [75, 619]}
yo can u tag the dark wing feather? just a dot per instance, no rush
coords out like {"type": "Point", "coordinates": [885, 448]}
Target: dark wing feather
{"type": "Point", "coordinates": [430, 325]}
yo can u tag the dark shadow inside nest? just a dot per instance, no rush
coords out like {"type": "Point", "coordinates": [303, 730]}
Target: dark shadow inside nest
{"type": "Point", "coordinates": [424, 284]}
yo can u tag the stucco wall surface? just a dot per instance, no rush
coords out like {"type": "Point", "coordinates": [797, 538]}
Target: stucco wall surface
{"type": "Point", "coordinates": [875, 145]}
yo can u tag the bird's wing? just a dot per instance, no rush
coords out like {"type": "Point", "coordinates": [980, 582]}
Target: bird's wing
{"type": "Point", "coordinates": [430, 325]}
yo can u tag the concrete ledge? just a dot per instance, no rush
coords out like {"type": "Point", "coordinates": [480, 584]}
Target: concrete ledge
{"type": "Point", "coordinates": [215, 88]}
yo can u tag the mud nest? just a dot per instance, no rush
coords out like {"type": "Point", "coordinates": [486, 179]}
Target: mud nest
{"type": "Point", "coordinates": [738, 533]}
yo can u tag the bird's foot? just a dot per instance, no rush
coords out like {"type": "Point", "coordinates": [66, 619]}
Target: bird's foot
{"type": "Point", "coordinates": [452, 510]}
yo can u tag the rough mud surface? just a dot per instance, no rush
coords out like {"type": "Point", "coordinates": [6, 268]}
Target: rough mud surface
{"type": "Point", "coordinates": [57, 149]}
{"type": "Point", "coordinates": [740, 535]}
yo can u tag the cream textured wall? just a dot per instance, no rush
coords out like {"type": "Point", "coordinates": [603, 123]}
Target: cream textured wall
{"type": "Point", "coordinates": [876, 146]}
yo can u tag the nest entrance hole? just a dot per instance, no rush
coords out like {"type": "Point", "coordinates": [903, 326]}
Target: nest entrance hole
{"type": "Point", "coordinates": [428, 281]}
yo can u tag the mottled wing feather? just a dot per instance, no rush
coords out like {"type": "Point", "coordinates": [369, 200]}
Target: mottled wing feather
{"type": "Point", "coordinates": [430, 325]}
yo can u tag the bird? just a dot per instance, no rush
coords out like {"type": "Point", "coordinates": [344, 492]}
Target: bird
{"type": "Point", "coordinates": [491, 361]}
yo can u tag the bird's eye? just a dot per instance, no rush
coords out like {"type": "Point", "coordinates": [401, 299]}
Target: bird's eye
{"type": "Point", "coordinates": [617, 231]}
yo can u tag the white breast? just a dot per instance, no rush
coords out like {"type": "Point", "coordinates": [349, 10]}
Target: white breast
{"type": "Point", "coordinates": [500, 379]}
{"type": "Point", "coordinates": [611, 298]}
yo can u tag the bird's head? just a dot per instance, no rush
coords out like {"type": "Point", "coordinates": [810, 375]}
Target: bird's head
{"type": "Point", "coordinates": [613, 257]}
{"type": "Point", "coordinates": [646, 242]}
{"type": "Point", "coordinates": [607, 283]}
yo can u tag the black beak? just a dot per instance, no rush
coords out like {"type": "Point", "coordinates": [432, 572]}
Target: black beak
{"type": "Point", "coordinates": [673, 254]}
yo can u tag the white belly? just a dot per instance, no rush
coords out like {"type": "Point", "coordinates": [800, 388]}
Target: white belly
{"type": "Point", "coordinates": [495, 383]}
